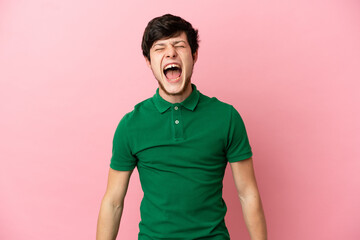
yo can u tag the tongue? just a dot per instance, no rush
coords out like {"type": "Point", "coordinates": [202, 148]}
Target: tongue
{"type": "Point", "coordinates": [172, 74]}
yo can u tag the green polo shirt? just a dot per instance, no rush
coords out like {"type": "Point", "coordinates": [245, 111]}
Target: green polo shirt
{"type": "Point", "coordinates": [181, 151]}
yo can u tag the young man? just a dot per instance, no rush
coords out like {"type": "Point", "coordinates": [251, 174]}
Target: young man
{"type": "Point", "coordinates": [180, 140]}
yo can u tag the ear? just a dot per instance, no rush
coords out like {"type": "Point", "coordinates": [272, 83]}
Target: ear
{"type": "Point", "coordinates": [148, 63]}
{"type": "Point", "coordinates": [195, 56]}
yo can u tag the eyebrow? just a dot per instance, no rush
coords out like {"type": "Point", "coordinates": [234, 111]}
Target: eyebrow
{"type": "Point", "coordinates": [180, 41]}
{"type": "Point", "coordinates": [159, 44]}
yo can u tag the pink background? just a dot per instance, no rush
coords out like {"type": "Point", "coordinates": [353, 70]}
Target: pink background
{"type": "Point", "coordinates": [69, 70]}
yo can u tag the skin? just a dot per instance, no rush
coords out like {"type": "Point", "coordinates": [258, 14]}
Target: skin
{"type": "Point", "coordinates": [253, 213]}
{"type": "Point", "coordinates": [112, 204]}
{"type": "Point", "coordinates": [164, 51]}
{"type": "Point", "coordinates": [172, 50]}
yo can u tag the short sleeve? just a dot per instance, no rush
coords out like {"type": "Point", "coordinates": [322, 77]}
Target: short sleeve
{"type": "Point", "coordinates": [237, 147]}
{"type": "Point", "coordinates": [122, 158]}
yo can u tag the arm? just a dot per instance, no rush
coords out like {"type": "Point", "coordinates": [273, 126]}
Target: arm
{"type": "Point", "coordinates": [112, 205]}
{"type": "Point", "coordinates": [245, 182]}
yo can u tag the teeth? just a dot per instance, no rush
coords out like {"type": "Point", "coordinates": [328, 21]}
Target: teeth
{"type": "Point", "coordinates": [171, 66]}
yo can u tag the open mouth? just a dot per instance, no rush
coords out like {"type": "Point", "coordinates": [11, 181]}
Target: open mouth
{"type": "Point", "coordinates": [172, 71]}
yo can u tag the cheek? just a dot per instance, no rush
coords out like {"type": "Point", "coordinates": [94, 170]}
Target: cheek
{"type": "Point", "coordinates": [156, 65]}
{"type": "Point", "coordinates": [189, 63]}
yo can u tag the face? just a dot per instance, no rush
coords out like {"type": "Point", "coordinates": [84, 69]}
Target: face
{"type": "Point", "coordinates": [172, 62]}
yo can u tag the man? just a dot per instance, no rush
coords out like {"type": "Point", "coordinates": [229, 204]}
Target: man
{"type": "Point", "coordinates": [180, 140]}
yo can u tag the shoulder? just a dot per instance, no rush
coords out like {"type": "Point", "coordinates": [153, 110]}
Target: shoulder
{"type": "Point", "coordinates": [139, 111]}
{"type": "Point", "coordinates": [220, 110]}
{"type": "Point", "coordinates": [215, 104]}
{"type": "Point", "coordinates": [144, 105]}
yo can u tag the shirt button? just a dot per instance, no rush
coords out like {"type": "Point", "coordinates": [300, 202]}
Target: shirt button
{"type": "Point", "coordinates": [176, 121]}
{"type": "Point", "coordinates": [176, 107]}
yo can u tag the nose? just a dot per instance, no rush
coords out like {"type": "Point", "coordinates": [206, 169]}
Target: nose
{"type": "Point", "coordinates": [171, 52]}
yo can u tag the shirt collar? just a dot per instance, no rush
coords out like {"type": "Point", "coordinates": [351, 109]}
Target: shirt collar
{"type": "Point", "coordinates": [190, 102]}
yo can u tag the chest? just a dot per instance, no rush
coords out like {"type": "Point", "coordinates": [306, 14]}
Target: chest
{"type": "Point", "coordinates": [181, 139]}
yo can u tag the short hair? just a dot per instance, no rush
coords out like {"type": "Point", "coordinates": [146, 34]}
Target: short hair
{"type": "Point", "coordinates": [168, 26]}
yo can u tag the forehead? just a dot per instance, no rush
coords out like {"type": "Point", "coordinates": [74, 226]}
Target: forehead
{"type": "Point", "coordinates": [177, 38]}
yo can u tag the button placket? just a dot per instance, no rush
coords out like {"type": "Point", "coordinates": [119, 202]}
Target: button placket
{"type": "Point", "coordinates": [177, 122]}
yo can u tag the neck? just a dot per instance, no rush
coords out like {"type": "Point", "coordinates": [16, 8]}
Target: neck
{"type": "Point", "coordinates": [176, 98]}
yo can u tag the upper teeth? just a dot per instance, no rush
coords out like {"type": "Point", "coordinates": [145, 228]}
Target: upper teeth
{"type": "Point", "coordinates": [171, 66]}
